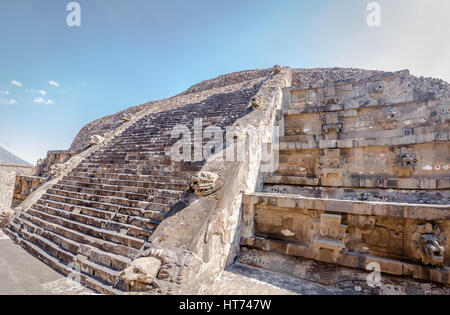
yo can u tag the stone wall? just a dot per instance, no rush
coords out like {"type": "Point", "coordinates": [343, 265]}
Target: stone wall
{"type": "Point", "coordinates": [24, 186]}
{"type": "Point", "coordinates": [362, 178]}
{"type": "Point", "coordinates": [8, 175]}
{"type": "Point", "coordinates": [43, 167]}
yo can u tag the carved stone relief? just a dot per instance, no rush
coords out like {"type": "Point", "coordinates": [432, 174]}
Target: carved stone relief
{"type": "Point", "coordinates": [329, 237]}
{"type": "Point", "coordinates": [205, 183]}
{"type": "Point", "coordinates": [428, 247]}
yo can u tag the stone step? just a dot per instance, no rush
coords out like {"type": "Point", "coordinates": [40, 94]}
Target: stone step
{"type": "Point", "coordinates": [129, 144]}
{"type": "Point", "coordinates": [90, 230]}
{"type": "Point", "coordinates": [148, 148]}
{"type": "Point", "coordinates": [158, 185]}
{"type": "Point", "coordinates": [155, 178]}
{"type": "Point", "coordinates": [135, 170]}
{"type": "Point", "coordinates": [164, 166]}
{"type": "Point", "coordinates": [125, 189]}
{"type": "Point", "coordinates": [84, 239]}
{"type": "Point", "coordinates": [110, 260]}
{"type": "Point", "coordinates": [118, 194]}
{"type": "Point", "coordinates": [139, 227]}
{"type": "Point", "coordinates": [48, 246]}
{"type": "Point", "coordinates": [98, 271]}
{"type": "Point", "coordinates": [123, 215]}
{"type": "Point", "coordinates": [104, 206]}
{"type": "Point", "coordinates": [148, 205]}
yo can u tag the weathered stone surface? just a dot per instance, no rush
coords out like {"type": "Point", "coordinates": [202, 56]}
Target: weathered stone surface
{"type": "Point", "coordinates": [205, 183]}
{"type": "Point", "coordinates": [370, 176]}
{"type": "Point", "coordinates": [43, 166]}
{"type": "Point", "coordinates": [96, 139]}
{"type": "Point", "coordinates": [24, 186]}
{"type": "Point", "coordinates": [142, 271]}
{"type": "Point", "coordinates": [8, 173]}
{"type": "Point", "coordinates": [127, 116]}
{"type": "Point", "coordinates": [5, 214]}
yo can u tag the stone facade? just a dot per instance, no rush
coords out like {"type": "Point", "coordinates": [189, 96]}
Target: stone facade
{"type": "Point", "coordinates": [363, 177]}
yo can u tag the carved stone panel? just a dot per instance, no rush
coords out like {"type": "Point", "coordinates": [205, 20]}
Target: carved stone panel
{"type": "Point", "coordinates": [329, 237]}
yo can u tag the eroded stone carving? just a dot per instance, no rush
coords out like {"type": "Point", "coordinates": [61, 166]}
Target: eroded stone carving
{"type": "Point", "coordinates": [57, 170]}
{"type": "Point", "coordinates": [377, 87]}
{"type": "Point", "coordinates": [293, 169]}
{"type": "Point", "coordinates": [205, 183]}
{"type": "Point", "coordinates": [127, 117]}
{"type": "Point", "coordinates": [338, 127]}
{"type": "Point", "coordinates": [406, 158]}
{"type": "Point", "coordinates": [5, 214]}
{"type": "Point", "coordinates": [276, 69]}
{"type": "Point", "coordinates": [141, 272]}
{"type": "Point", "coordinates": [96, 139]}
{"type": "Point", "coordinates": [329, 239]}
{"type": "Point", "coordinates": [331, 162]}
{"type": "Point", "coordinates": [428, 245]}
{"type": "Point", "coordinates": [161, 270]}
{"type": "Point", "coordinates": [257, 102]}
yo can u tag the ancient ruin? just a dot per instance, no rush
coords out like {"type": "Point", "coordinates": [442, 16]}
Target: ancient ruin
{"type": "Point", "coordinates": [323, 174]}
{"type": "Point", "coordinates": [12, 169]}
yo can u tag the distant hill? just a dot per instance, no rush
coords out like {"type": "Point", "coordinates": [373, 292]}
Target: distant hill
{"type": "Point", "coordinates": [9, 158]}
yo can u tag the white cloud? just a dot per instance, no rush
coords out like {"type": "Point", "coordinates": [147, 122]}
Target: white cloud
{"type": "Point", "coordinates": [4, 92]}
{"type": "Point", "coordinates": [4, 101]}
{"type": "Point", "coordinates": [16, 83]}
{"type": "Point", "coordinates": [41, 100]}
{"type": "Point", "coordinates": [33, 91]}
{"type": "Point", "coordinates": [54, 83]}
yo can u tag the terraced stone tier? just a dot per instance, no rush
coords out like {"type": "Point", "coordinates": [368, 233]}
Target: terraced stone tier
{"type": "Point", "coordinates": [351, 233]}
{"type": "Point", "coordinates": [95, 220]}
{"type": "Point", "coordinates": [363, 177]}
{"type": "Point", "coordinates": [367, 137]}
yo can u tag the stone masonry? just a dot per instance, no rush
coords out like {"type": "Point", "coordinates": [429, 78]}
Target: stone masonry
{"type": "Point", "coordinates": [363, 178]}
{"type": "Point", "coordinates": [8, 173]}
{"type": "Point", "coordinates": [359, 175]}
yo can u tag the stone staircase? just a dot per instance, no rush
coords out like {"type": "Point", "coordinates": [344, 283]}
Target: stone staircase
{"type": "Point", "coordinates": [95, 220]}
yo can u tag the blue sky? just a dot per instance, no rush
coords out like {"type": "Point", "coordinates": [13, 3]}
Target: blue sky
{"type": "Point", "coordinates": [54, 79]}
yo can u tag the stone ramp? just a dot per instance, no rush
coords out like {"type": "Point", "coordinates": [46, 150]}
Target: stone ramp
{"type": "Point", "coordinates": [97, 218]}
